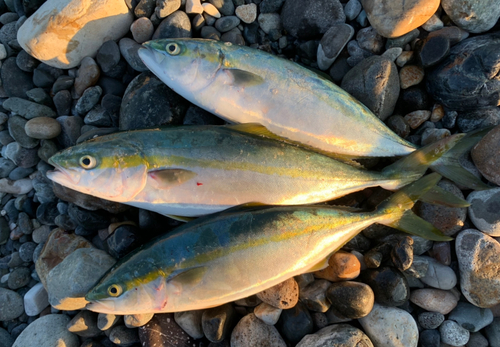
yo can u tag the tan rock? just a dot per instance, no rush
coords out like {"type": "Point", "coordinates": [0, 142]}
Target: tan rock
{"type": "Point", "coordinates": [410, 75]}
{"type": "Point", "coordinates": [394, 18]}
{"type": "Point", "coordinates": [341, 266]}
{"type": "Point", "coordinates": [283, 295]}
{"type": "Point", "coordinates": [61, 32]}
{"type": "Point", "coordinates": [435, 300]}
{"type": "Point", "coordinates": [417, 118]}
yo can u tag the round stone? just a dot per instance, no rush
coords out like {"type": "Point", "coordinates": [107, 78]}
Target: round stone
{"type": "Point", "coordinates": [42, 128]}
{"type": "Point", "coordinates": [251, 331]}
{"type": "Point", "coordinates": [48, 331]}
{"type": "Point", "coordinates": [11, 304]}
{"type": "Point", "coordinates": [430, 320]}
{"type": "Point", "coordinates": [483, 210]}
{"type": "Point", "coordinates": [473, 16]}
{"type": "Point", "coordinates": [435, 300]}
{"type": "Point", "coordinates": [453, 334]}
{"type": "Point", "coordinates": [351, 299]}
{"type": "Point", "coordinates": [434, 50]}
{"type": "Point", "coordinates": [410, 75]}
{"type": "Point", "coordinates": [284, 295]}
{"type": "Point", "coordinates": [176, 25]}
{"type": "Point", "coordinates": [142, 29]}
{"type": "Point", "coordinates": [485, 157]}
{"type": "Point", "coordinates": [336, 335]}
{"type": "Point", "coordinates": [247, 13]}
{"type": "Point", "coordinates": [471, 317]}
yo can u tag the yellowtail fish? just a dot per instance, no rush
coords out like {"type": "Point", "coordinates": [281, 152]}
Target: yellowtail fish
{"type": "Point", "coordinates": [196, 170]}
{"type": "Point", "coordinates": [245, 85]}
{"type": "Point", "coordinates": [242, 251]}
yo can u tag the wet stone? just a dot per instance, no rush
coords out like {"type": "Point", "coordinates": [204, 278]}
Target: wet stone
{"type": "Point", "coordinates": [435, 300]}
{"type": "Point", "coordinates": [284, 295]}
{"type": "Point", "coordinates": [251, 331]}
{"type": "Point", "coordinates": [108, 56]}
{"type": "Point", "coordinates": [412, 99]}
{"type": "Point", "coordinates": [389, 285]}
{"type": "Point", "coordinates": [295, 323]}
{"type": "Point", "coordinates": [351, 299]}
{"type": "Point", "coordinates": [369, 39]}
{"type": "Point", "coordinates": [176, 25]}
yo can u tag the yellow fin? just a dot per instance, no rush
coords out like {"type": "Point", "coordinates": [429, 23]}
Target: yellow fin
{"type": "Point", "coordinates": [168, 178]}
{"type": "Point", "coordinates": [190, 277]}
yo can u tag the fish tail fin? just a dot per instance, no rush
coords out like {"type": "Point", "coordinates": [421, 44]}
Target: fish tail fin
{"type": "Point", "coordinates": [449, 166]}
{"type": "Point", "coordinates": [413, 166]}
{"type": "Point", "coordinates": [398, 214]}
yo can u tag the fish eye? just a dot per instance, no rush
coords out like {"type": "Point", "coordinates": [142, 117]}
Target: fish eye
{"type": "Point", "coordinates": [88, 162]}
{"type": "Point", "coordinates": [173, 48]}
{"type": "Point", "coordinates": [114, 290]}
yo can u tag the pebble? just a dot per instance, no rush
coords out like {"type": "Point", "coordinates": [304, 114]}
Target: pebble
{"type": "Point", "coordinates": [492, 333]}
{"type": "Point", "coordinates": [62, 102]}
{"type": "Point", "coordinates": [432, 135]}
{"type": "Point", "coordinates": [251, 331]}
{"type": "Point", "coordinates": [70, 130]}
{"type": "Point", "coordinates": [40, 33]}
{"type": "Point", "coordinates": [352, 9]}
{"type": "Point", "coordinates": [144, 8]}
{"type": "Point", "coordinates": [227, 23]}
{"type": "Point", "coordinates": [477, 256]}
{"type": "Point", "coordinates": [21, 186]}
{"type": "Point", "coordinates": [194, 6]}
{"type": "Point", "coordinates": [417, 118]}
{"type": "Point", "coordinates": [84, 324]}
{"type": "Point", "coordinates": [106, 320]}
{"type": "Point", "coordinates": [270, 6]}
{"type": "Point", "coordinates": [351, 299]}
{"type": "Point", "coordinates": [410, 75]}
{"type": "Point", "coordinates": [396, 18]}
{"type": "Point", "coordinates": [307, 20]}
{"type": "Point", "coordinates": [153, 333]}
{"type": "Point", "coordinates": [87, 76]}
{"type": "Point", "coordinates": [435, 300]}
{"type": "Point", "coordinates": [390, 327]}
{"type": "Point", "coordinates": [284, 295]}
{"type": "Point", "coordinates": [447, 219]}
{"type": "Point", "coordinates": [431, 338]}
{"type": "Point", "coordinates": [392, 53]}
{"type": "Point", "coordinates": [15, 82]}
{"type": "Point", "coordinates": [190, 322]}
{"type": "Point", "coordinates": [374, 82]}
{"type": "Point", "coordinates": [27, 109]}
{"type": "Point", "coordinates": [430, 320]}
{"type": "Point", "coordinates": [11, 305]}
{"type": "Point", "coordinates": [35, 300]}
{"type": "Point", "coordinates": [70, 280]}
{"type": "Point", "coordinates": [475, 17]}
{"type": "Point", "coordinates": [176, 25]}
{"type": "Point", "coordinates": [433, 24]}
{"type": "Point", "coordinates": [267, 313]}
{"type": "Point", "coordinates": [208, 32]}
{"type": "Point", "coordinates": [6, 339]}
{"type": "Point", "coordinates": [370, 40]}
{"type": "Point", "coordinates": [6, 167]}
{"type": "Point", "coordinates": [336, 335]}
{"type": "Point", "coordinates": [198, 22]}
{"type": "Point", "coordinates": [41, 234]}
{"type": "Point", "coordinates": [48, 331]}
{"type": "Point", "coordinates": [483, 210]}
{"type": "Point", "coordinates": [217, 322]}
{"type": "Point", "coordinates": [462, 82]}
{"type": "Point", "coordinates": [388, 284]}
{"type": "Point", "coordinates": [129, 49]}
{"type": "Point", "coordinates": [26, 62]}
{"type": "Point", "coordinates": [434, 50]}
{"type": "Point", "coordinates": [332, 43]}
{"type": "Point", "coordinates": [123, 336]}
{"type": "Point", "coordinates": [341, 266]}
{"type": "Point", "coordinates": [295, 323]}
{"type": "Point", "coordinates": [313, 296]}
{"type": "Point", "coordinates": [482, 118]}
{"type": "Point", "coordinates": [26, 251]}
{"type": "Point", "coordinates": [165, 8]}
{"type": "Point", "coordinates": [477, 340]}
{"type": "Point", "coordinates": [19, 277]}
{"type": "Point", "coordinates": [16, 130]}
{"type": "Point", "coordinates": [247, 13]}
{"type": "Point", "coordinates": [142, 29]}
{"type": "Point", "coordinates": [137, 320]}
{"type": "Point", "coordinates": [471, 317]}
{"type": "Point", "coordinates": [483, 155]}
{"type": "Point", "coordinates": [453, 334]}
{"type": "Point", "coordinates": [42, 128]}
{"type": "Point", "coordinates": [438, 275]}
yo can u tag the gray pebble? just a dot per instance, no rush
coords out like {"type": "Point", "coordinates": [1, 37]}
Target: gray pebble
{"type": "Point", "coordinates": [26, 251]}
{"type": "Point", "coordinates": [190, 322]}
{"type": "Point", "coordinates": [165, 8]}
{"type": "Point", "coordinates": [453, 334]}
{"type": "Point", "coordinates": [430, 320]}
{"type": "Point", "coordinates": [269, 21]}
{"type": "Point", "coordinates": [471, 317]}
{"type": "Point", "coordinates": [142, 29]}
{"type": "Point", "coordinates": [225, 7]}
{"type": "Point", "coordinates": [21, 156]}
{"type": "Point", "coordinates": [332, 43]}
{"type": "Point", "coordinates": [483, 210]}
{"type": "Point", "coordinates": [129, 49]}
{"type": "Point", "coordinates": [27, 109]}
{"type": "Point", "coordinates": [226, 23]}
{"type": "Point", "coordinates": [19, 277]}
{"type": "Point", "coordinates": [84, 324]}
{"type": "Point", "coordinates": [177, 25]}
{"type": "Point", "coordinates": [11, 305]}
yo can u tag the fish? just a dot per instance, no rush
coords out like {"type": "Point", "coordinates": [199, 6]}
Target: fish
{"type": "Point", "coordinates": [245, 85]}
{"type": "Point", "coordinates": [241, 251]}
{"type": "Point", "coordinates": [191, 171]}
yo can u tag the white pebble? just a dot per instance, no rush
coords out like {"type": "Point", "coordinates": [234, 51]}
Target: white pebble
{"type": "Point", "coordinates": [35, 300]}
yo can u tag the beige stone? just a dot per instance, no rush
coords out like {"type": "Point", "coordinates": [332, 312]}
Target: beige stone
{"type": "Point", "coordinates": [435, 300]}
{"type": "Point", "coordinates": [394, 18]}
{"type": "Point", "coordinates": [61, 32]}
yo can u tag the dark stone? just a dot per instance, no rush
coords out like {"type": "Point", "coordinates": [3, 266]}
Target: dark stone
{"type": "Point", "coordinates": [63, 82]}
{"type": "Point", "coordinates": [467, 78]}
{"type": "Point", "coordinates": [434, 50]}
{"type": "Point", "coordinates": [8, 33]}
{"type": "Point", "coordinates": [270, 6]}
{"type": "Point", "coordinates": [234, 36]}
{"type": "Point", "coordinates": [129, 49]}
{"type": "Point", "coordinates": [339, 69]}
{"type": "Point", "coordinates": [19, 277]}
{"type": "Point", "coordinates": [11, 211]}
{"type": "Point", "coordinates": [111, 103]}
{"type": "Point", "coordinates": [399, 125]}
{"type": "Point", "coordinates": [47, 149]}
{"type": "Point", "coordinates": [15, 81]}
{"type": "Point", "coordinates": [26, 62]}
{"type": "Point", "coordinates": [306, 20]}
{"type": "Point", "coordinates": [43, 188]}
{"type": "Point", "coordinates": [26, 251]}
{"type": "Point", "coordinates": [62, 102]}
{"type": "Point", "coordinates": [389, 285]}
{"type": "Point", "coordinates": [20, 172]}
{"type": "Point", "coordinates": [477, 119]}
{"type": "Point", "coordinates": [91, 220]}
{"type": "Point", "coordinates": [177, 25]}
{"type": "Point", "coordinates": [65, 222]}
{"type": "Point", "coordinates": [30, 6]}
{"type": "Point", "coordinates": [5, 139]}
{"type": "Point", "coordinates": [218, 322]}
{"type": "Point", "coordinates": [70, 130]}
{"type": "Point", "coordinates": [251, 32]}
{"type": "Point", "coordinates": [16, 130]}
{"type": "Point", "coordinates": [226, 23]}
{"type": "Point", "coordinates": [350, 299]}
{"type": "Point", "coordinates": [6, 167]}
{"type": "Point", "coordinates": [154, 333]}
{"type": "Point", "coordinates": [412, 99]}
{"type": "Point", "coordinates": [111, 86]}
{"type": "Point", "coordinates": [145, 8]}
{"type": "Point", "coordinates": [157, 104]}
{"type": "Point", "coordinates": [21, 156]}
{"type": "Point", "coordinates": [44, 75]}
{"type": "Point", "coordinates": [295, 323]}
{"type": "Point", "coordinates": [89, 99]}
{"type": "Point", "coordinates": [430, 320]}
{"type": "Point", "coordinates": [98, 116]}
{"type": "Point", "coordinates": [208, 32]}
{"type": "Point", "coordinates": [46, 213]}
{"type": "Point", "coordinates": [430, 338]}
{"type": "Point", "coordinates": [358, 243]}
{"type": "Point", "coordinates": [123, 240]}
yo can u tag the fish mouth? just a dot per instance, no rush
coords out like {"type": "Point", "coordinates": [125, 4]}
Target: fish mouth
{"type": "Point", "coordinates": [102, 306]}
{"type": "Point", "coordinates": [66, 177]}
{"type": "Point", "coordinates": [150, 55]}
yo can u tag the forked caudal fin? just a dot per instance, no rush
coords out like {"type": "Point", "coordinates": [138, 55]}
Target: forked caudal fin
{"type": "Point", "coordinates": [414, 165]}
{"type": "Point", "coordinates": [402, 202]}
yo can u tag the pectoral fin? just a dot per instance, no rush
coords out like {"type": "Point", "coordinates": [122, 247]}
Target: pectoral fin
{"type": "Point", "coordinates": [242, 78]}
{"type": "Point", "coordinates": [323, 264]}
{"type": "Point", "coordinates": [190, 277]}
{"type": "Point", "coordinates": [168, 178]}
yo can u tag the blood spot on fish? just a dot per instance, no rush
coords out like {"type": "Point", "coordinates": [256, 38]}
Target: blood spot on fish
{"type": "Point", "coordinates": [199, 183]}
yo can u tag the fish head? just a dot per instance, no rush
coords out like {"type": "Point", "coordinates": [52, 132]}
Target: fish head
{"type": "Point", "coordinates": [183, 64]}
{"type": "Point", "coordinates": [107, 168]}
{"type": "Point", "coordinates": [137, 286]}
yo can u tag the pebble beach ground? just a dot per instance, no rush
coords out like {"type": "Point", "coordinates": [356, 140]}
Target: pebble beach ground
{"type": "Point", "coordinates": [427, 68]}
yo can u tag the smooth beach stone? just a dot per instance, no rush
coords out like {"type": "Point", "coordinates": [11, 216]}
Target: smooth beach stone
{"type": "Point", "coordinates": [190, 322]}
{"type": "Point", "coordinates": [374, 82]}
{"type": "Point", "coordinates": [453, 334]}
{"type": "Point", "coordinates": [336, 335]}
{"type": "Point", "coordinates": [484, 209]}
{"type": "Point", "coordinates": [145, 8]}
{"type": "Point", "coordinates": [137, 320]}
{"type": "Point", "coordinates": [313, 296]}
{"type": "Point", "coordinates": [389, 285]}
{"type": "Point", "coordinates": [69, 281]}
{"type": "Point", "coordinates": [473, 16]}
{"type": "Point", "coordinates": [390, 327]}
{"type": "Point", "coordinates": [129, 49]}
{"type": "Point", "coordinates": [477, 340]}
{"type": "Point", "coordinates": [430, 320]}
{"type": "Point", "coordinates": [295, 323]}
{"type": "Point", "coordinates": [123, 336]}
{"type": "Point", "coordinates": [350, 299]}
{"type": "Point", "coordinates": [11, 305]}
{"type": "Point", "coordinates": [267, 313]}
{"type": "Point", "coordinates": [471, 317]}
{"type": "Point", "coordinates": [166, 7]}
{"type": "Point", "coordinates": [410, 75]}
{"type": "Point", "coordinates": [284, 295]}
{"type": "Point", "coordinates": [142, 29]}
{"type": "Point", "coordinates": [307, 20]}
{"type": "Point", "coordinates": [433, 24]}
{"type": "Point", "coordinates": [35, 300]}
{"type": "Point", "coordinates": [332, 43]}
{"type": "Point", "coordinates": [369, 39]}
{"type": "Point", "coordinates": [42, 128]}
{"type": "Point", "coordinates": [433, 135]}
{"type": "Point", "coordinates": [438, 275]}
{"type": "Point", "coordinates": [15, 82]}
{"type": "Point", "coordinates": [482, 118]}
{"type": "Point", "coordinates": [225, 7]}
{"type": "Point", "coordinates": [106, 320]}
{"type": "Point", "coordinates": [48, 331]}
{"type": "Point", "coordinates": [16, 126]}
{"type": "Point", "coordinates": [87, 76]}
{"type": "Point", "coordinates": [251, 331]}
{"type": "Point", "coordinates": [86, 26]}
{"type": "Point", "coordinates": [431, 338]}
{"type": "Point", "coordinates": [434, 50]}
{"type": "Point", "coordinates": [478, 257]}
{"type": "Point", "coordinates": [84, 324]}
{"type": "Point", "coordinates": [247, 13]}
{"type": "Point", "coordinates": [485, 158]}
{"type": "Point", "coordinates": [341, 266]}
{"type": "Point", "coordinates": [395, 18]}
{"type": "Point", "coordinates": [352, 9]}
{"type": "Point", "coordinates": [435, 300]}
{"type": "Point", "coordinates": [22, 157]}
{"type": "Point", "coordinates": [466, 80]}
{"type": "Point", "coordinates": [269, 22]}
{"type": "Point", "coordinates": [19, 277]}
{"type": "Point", "coordinates": [27, 109]}
{"type": "Point", "coordinates": [176, 25]}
